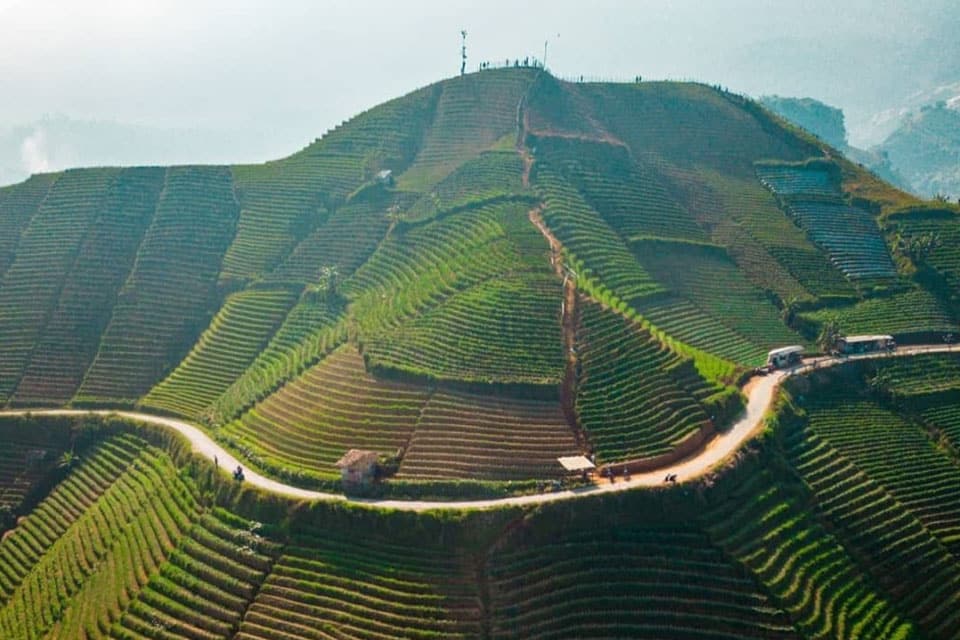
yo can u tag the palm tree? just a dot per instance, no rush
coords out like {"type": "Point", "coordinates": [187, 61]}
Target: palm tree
{"type": "Point", "coordinates": [68, 459]}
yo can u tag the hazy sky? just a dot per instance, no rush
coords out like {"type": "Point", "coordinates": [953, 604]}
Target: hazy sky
{"type": "Point", "coordinates": [286, 71]}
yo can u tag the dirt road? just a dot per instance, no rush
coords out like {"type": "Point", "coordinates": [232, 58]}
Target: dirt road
{"type": "Point", "coordinates": [760, 393]}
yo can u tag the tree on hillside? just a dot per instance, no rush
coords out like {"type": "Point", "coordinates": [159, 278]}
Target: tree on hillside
{"type": "Point", "coordinates": [329, 281]}
{"type": "Point", "coordinates": [881, 385]}
{"type": "Point", "coordinates": [68, 460]}
{"type": "Point", "coordinates": [829, 336]}
{"type": "Point", "coordinates": [918, 247]}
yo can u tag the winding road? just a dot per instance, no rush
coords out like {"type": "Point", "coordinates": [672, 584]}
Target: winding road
{"type": "Point", "coordinates": [760, 392]}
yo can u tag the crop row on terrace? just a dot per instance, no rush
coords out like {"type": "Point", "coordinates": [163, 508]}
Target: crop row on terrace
{"type": "Point", "coordinates": [687, 322]}
{"type": "Point", "coordinates": [324, 587]}
{"type": "Point", "coordinates": [940, 225]}
{"type": "Point", "coordinates": [898, 550]}
{"type": "Point", "coordinates": [70, 568]}
{"type": "Point", "coordinates": [705, 277]}
{"type": "Point", "coordinates": [335, 406]}
{"type": "Point", "coordinates": [385, 137]}
{"type": "Point", "coordinates": [462, 435]}
{"type": "Point", "coordinates": [171, 293]}
{"type": "Point", "coordinates": [637, 581]}
{"type": "Point", "coordinates": [504, 330]}
{"type": "Point", "coordinates": [678, 122]}
{"type": "Point", "coordinates": [941, 414]}
{"type": "Point", "coordinates": [239, 331]}
{"type": "Point", "coordinates": [849, 234]}
{"type": "Point", "coordinates": [69, 341]}
{"type": "Point", "coordinates": [472, 113]}
{"type": "Point", "coordinates": [592, 242]}
{"type": "Point", "coordinates": [804, 568]}
{"type": "Point", "coordinates": [18, 204]}
{"type": "Point", "coordinates": [792, 180]}
{"type": "Point", "coordinates": [311, 330]}
{"type": "Point", "coordinates": [911, 311]}
{"type": "Point", "coordinates": [23, 465]}
{"type": "Point", "coordinates": [276, 210]}
{"type": "Point", "coordinates": [206, 583]}
{"type": "Point", "coordinates": [925, 482]}
{"type": "Point", "coordinates": [45, 255]}
{"type": "Point", "coordinates": [492, 175]}
{"type": "Point", "coordinates": [471, 297]}
{"type": "Point", "coordinates": [627, 401]}
{"type": "Point", "coordinates": [922, 374]}
{"type": "Point", "coordinates": [747, 219]}
{"type": "Point", "coordinates": [630, 196]}
{"type": "Point", "coordinates": [417, 268]}
{"type": "Point", "coordinates": [343, 241]}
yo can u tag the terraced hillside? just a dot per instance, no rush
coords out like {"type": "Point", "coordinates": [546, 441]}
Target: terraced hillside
{"type": "Point", "coordinates": [171, 291]}
{"type": "Point", "coordinates": [365, 589]}
{"type": "Point", "coordinates": [837, 523]}
{"type": "Point", "coordinates": [631, 405]}
{"type": "Point", "coordinates": [424, 280]}
{"type": "Point", "coordinates": [334, 407]}
{"type": "Point", "coordinates": [590, 583]}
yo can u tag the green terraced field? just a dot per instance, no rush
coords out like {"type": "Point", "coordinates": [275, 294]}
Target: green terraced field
{"type": "Point", "coordinates": [493, 175]}
{"type": "Point", "coordinates": [895, 546]}
{"type": "Point", "coordinates": [472, 113]}
{"type": "Point", "coordinates": [704, 276]}
{"type": "Point", "coordinates": [941, 224]}
{"type": "Point", "coordinates": [310, 331]}
{"type": "Point", "coordinates": [416, 269]}
{"type": "Point", "coordinates": [68, 569]}
{"type": "Point", "coordinates": [926, 483]}
{"type": "Point", "coordinates": [629, 404]}
{"type": "Point", "coordinates": [365, 589]}
{"type": "Point", "coordinates": [275, 210]}
{"type": "Point", "coordinates": [489, 313]}
{"type": "Point", "coordinates": [632, 198]}
{"type": "Point", "coordinates": [205, 584]}
{"type": "Point", "coordinates": [18, 204]}
{"type": "Point", "coordinates": [343, 241]}
{"type": "Point", "coordinates": [462, 435]}
{"type": "Point", "coordinates": [102, 264]}
{"type": "Point", "coordinates": [230, 344]}
{"type": "Point", "coordinates": [45, 257]}
{"type": "Point", "coordinates": [909, 312]}
{"type": "Point", "coordinates": [504, 330]}
{"type": "Point", "coordinates": [603, 254]}
{"type": "Point", "coordinates": [335, 406]}
{"type": "Point", "coordinates": [803, 567]}
{"type": "Point", "coordinates": [633, 581]}
{"type": "Point", "coordinates": [171, 293]}
{"type": "Point", "coordinates": [771, 249]}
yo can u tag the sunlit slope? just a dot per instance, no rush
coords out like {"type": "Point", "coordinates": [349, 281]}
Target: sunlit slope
{"type": "Point", "coordinates": [502, 240]}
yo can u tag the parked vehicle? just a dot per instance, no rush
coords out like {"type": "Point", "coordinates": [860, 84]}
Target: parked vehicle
{"type": "Point", "coordinates": [848, 345]}
{"type": "Point", "coordinates": [784, 357]}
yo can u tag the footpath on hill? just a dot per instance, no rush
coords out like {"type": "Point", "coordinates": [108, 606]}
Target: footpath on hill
{"type": "Point", "coordinates": [760, 392]}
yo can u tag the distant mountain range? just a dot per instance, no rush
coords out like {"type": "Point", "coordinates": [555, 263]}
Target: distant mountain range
{"type": "Point", "coordinates": [920, 154]}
